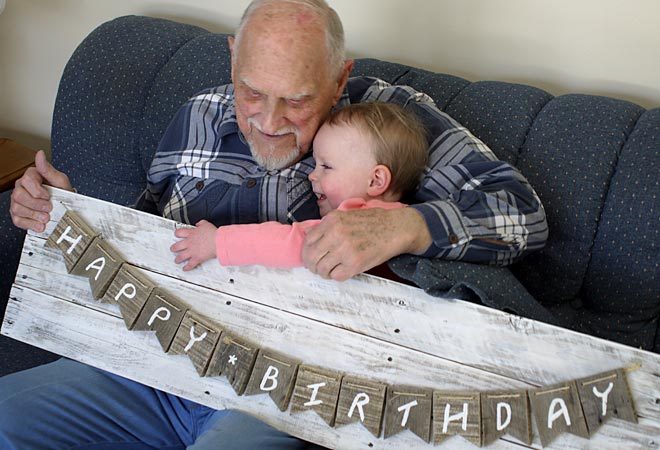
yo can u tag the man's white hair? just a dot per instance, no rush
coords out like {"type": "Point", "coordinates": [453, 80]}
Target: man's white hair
{"type": "Point", "coordinates": [333, 28]}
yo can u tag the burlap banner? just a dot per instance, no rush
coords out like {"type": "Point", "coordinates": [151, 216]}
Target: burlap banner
{"type": "Point", "coordinates": [576, 406]}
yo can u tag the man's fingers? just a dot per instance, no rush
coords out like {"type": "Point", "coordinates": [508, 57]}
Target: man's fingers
{"type": "Point", "coordinates": [32, 183]}
{"type": "Point", "coordinates": [28, 224]}
{"type": "Point", "coordinates": [50, 174]}
{"type": "Point", "coordinates": [19, 211]}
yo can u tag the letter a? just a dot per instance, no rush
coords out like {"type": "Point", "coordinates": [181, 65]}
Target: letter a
{"type": "Point", "coordinates": [554, 415]}
{"type": "Point", "coordinates": [98, 268]}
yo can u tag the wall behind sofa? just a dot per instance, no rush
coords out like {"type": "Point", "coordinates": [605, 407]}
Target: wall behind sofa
{"type": "Point", "coordinates": [606, 47]}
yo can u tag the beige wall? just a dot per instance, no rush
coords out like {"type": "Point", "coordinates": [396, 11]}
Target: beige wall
{"type": "Point", "coordinates": [608, 47]}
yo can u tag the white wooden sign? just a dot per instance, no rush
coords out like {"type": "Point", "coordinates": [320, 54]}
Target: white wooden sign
{"type": "Point", "coordinates": [366, 328]}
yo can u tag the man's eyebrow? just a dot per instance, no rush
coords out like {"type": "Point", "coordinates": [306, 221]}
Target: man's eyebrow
{"type": "Point", "coordinates": [247, 83]}
{"type": "Point", "coordinates": [302, 96]}
{"type": "Point", "coordinates": [296, 97]}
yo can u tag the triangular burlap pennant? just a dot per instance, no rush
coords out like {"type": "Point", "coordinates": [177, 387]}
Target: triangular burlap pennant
{"type": "Point", "coordinates": [316, 389]}
{"type": "Point", "coordinates": [604, 396]}
{"type": "Point", "coordinates": [273, 374]}
{"type": "Point", "coordinates": [363, 401]}
{"type": "Point", "coordinates": [163, 314]}
{"type": "Point", "coordinates": [71, 236]}
{"type": "Point", "coordinates": [100, 263]}
{"type": "Point", "coordinates": [557, 410]}
{"type": "Point", "coordinates": [234, 358]}
{"type": "Point", "coordinates": [196, 337]}
{"type": "Point", "coordinates": [506, 412]}
{"type": "Point", "coordinates": [457, 413]}
{"type": "Point", "coordinates": [408, 408]}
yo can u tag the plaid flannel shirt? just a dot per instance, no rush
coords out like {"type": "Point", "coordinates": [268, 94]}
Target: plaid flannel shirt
{"type": "Point", "coordinates": [477, 208]}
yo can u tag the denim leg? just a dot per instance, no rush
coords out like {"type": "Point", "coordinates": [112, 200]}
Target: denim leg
{"type": "Point", "coordinates": [234, 430]}
{"type": "Point", "coordinates": [68, 405]}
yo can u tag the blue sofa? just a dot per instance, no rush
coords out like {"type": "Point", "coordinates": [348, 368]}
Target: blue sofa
{"type": "Point", "coordinates": [593, 161]}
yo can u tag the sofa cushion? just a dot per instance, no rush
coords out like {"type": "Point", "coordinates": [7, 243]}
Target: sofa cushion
{"type": "Point", "coordinates": [440, 87]}
{"type": "Point", "coordinates": [622, 288]}
{"type": "Point", "coordinates": [569, 157]}
{"type": "Point", "coordinates": [500, 114]}
{"type": "Point", "coordinates": [97, 117]}
{"type": "Point", "coordinates": [385, 70]}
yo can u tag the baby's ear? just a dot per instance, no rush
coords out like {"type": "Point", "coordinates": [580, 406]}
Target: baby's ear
{"type": "Point", "coordinates": [380, 180]}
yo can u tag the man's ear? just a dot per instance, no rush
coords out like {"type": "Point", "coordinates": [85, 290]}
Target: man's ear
{"type": "Point", "coordinates": [380, 180]}
{"type": "Point", "coordinates": [343, 79]}
{"type": "Point", "coordinates": [230, 42]}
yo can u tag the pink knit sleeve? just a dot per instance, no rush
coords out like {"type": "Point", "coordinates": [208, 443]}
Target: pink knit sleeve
{"type": "Point", "coordinates": [270, 244]}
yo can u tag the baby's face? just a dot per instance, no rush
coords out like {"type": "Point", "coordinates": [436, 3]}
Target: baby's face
{"type": "Point", "coordinates": [344, 163]}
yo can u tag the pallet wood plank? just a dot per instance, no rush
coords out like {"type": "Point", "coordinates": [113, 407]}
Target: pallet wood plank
{"type": "Point", "coordinates": [450, 333]}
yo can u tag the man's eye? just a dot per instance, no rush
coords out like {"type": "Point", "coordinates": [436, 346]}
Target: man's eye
{"type": "Point", "coordinates": [295, 102]}
{"type": "Point", "coordinates": [325, 166]}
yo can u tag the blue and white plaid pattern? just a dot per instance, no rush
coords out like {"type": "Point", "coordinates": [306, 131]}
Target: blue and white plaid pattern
{"type": "Point", "coordinates": [478, 209]}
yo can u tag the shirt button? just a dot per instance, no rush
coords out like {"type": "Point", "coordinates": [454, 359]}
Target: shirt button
{"type": "Point", "coordinates": [199, 185]}
{"type": "Point", "coordinates": [453, 239]}
{"type": "Point", "coordinates": [251, 183]}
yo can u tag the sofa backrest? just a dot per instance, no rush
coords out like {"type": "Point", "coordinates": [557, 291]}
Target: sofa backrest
{"type": "Point", "coordinates": [593, 160]}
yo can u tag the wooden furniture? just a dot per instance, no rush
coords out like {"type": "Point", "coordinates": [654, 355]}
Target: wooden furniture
{"type": "Point", "coordinates": [367, 328]}
{"type": "Point", "coordinates": [14, 161]}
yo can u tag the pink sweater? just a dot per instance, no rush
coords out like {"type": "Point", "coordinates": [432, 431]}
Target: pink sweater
{"type": "Point", "coordinates": [273, 244]}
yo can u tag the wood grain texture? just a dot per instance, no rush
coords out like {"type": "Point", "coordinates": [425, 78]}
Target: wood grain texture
{"type": "Point", "coordinates": [408, 408]}
{"type": "Point", "coordinates": [557, 410]}
{"type": "Point", "coordinates": [197, 338]}
{"type": "Point", "coordinates": [407, 338]}
{"type": "Point", "coordinates": [275, 374]}
{"type": "Point", "coordinates": [506, 412]}
{"type": "Point", "coordinates": [361, 400]}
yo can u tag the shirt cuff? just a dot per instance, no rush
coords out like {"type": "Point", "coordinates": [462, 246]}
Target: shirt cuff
{"type": "Point", "coordinates": [443, 222]}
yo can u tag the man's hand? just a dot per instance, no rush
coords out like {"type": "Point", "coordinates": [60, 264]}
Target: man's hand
{"type": "Point", "coordinates": [347, 243]}
{"type": "Point", "coordinates": [197, 244]}
{"type": "Point", "coordinates": [30, 201]}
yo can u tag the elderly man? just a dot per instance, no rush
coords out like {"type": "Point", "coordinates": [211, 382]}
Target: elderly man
{"type": "Point", "coordinates": [240, 153]}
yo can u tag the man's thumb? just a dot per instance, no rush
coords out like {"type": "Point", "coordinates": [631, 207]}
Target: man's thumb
{"type": "Point", "coordinates": [50, 174]}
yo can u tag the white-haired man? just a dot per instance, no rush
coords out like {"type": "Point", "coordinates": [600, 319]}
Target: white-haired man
{"type": "Point", "coordinates": [244, 149]}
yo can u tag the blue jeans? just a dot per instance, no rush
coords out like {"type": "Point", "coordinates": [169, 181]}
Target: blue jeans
{"type": "Point", "coordinates": [68, 405]}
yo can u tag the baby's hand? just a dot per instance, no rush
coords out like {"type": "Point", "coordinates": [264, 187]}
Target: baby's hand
{"type": "Point", "coordinates": [196, 246]}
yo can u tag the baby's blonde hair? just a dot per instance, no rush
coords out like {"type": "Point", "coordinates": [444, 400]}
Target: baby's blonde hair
{"type": "Point", "coordinates": [398, 136]}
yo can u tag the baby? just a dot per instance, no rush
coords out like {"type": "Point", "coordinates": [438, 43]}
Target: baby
{"type": "Point", "coordinates": [367, 155]}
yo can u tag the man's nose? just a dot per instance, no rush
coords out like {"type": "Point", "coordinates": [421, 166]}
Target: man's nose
{"type": "Point", "coordinates": [274, 117]}
{"type": "Point", "coordinates": [312, 176]}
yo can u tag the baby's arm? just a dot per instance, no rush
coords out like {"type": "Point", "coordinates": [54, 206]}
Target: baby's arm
{"type": "Point", "coordinates": [196, 246]}
{"type": "Point", "coordinates": [270, 244]}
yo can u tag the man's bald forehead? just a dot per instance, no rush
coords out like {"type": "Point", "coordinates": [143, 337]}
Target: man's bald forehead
{"type": "Point", "coordinates": [286, 13]}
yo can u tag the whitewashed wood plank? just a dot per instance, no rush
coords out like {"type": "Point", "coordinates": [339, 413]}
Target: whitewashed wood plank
{"type": "Point", "coordinates": [264, 324]}
{"type": "Point", "coordinates": [498, 342]}
{"type": "Point", "coordinates": [101, 339]}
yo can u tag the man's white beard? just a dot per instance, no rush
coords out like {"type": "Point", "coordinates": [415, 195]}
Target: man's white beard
{"type": "Point", "coordinates": [267, 158]}
{"type": "Point", "coordinates": [272, 162]}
